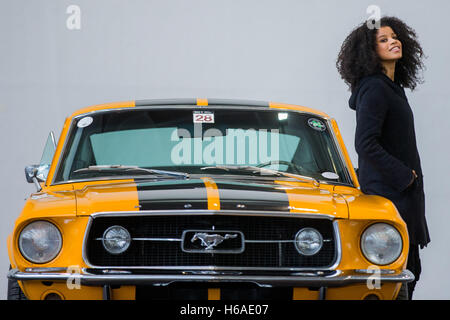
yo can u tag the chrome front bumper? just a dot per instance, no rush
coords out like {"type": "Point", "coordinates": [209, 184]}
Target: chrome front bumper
{"type": "Point", "coordinates": [300, 279]}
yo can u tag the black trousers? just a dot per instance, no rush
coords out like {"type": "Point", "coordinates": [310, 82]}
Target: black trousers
{"type": "Point", "coordinates": [413, 265]}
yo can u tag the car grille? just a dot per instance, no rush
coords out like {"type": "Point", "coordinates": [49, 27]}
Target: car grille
{"type": "Point", "coordinates": [158, 242]}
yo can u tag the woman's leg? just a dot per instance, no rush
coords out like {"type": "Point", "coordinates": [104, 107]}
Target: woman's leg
{"type": "Point", "coordinates": [414, 265]}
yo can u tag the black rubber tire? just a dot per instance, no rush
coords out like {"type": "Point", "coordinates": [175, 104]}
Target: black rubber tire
{"type": "Point", "coordinates": [403, 293]}
{"type": "Point", "coordinates": [14, 290]}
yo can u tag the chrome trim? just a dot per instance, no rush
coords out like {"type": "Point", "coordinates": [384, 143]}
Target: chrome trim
{"type": "Point", "coordinates": [210, 268]}
{"type": "Point", "coordinates": [283, 214]}
{"type": "Point", "coordinates": [372, 271]}
{"type": "Point", "coordinates": [52, 135]}
{"type": "Point", "coordinates": [246, 241]}
{"type": "Point", "coordinates": [66, 138]}
{"type": "Point", "coordinates": [335, 279]}
{"type": "Point", "coordinates": [340, 153]}
{"type": "Point", "coordinates": [45, 270]}
{"type": "Point", "coordinates": [278, 241]}
{"type": "Point", "coordinates": [147, 239]}
{"type": "Point", "coordinates": [338, 246]}
{"type": "Point", "coordinates": [107, 271]}
{"type": "Point", "coordinates": [131, 177]}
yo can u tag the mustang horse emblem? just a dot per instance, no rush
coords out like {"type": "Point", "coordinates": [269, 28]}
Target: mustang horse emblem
{"type": "Point", "coordinates": [211, 240]}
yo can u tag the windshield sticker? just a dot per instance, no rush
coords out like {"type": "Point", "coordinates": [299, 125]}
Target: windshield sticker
{"type": "Point", "coordinates": [330, 175]}
{"type": "Point", "coordinates": [86, 121]}
{"type": "Point", "coordinates": [316, 124]}
{"type": "Point", "coordinates": [203, 117]}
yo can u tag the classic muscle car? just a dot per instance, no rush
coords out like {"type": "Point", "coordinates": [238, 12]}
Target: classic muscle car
{"type": "Point", "coordinates": [203, 199]}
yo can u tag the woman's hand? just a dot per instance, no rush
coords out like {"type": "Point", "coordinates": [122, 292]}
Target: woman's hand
{"type": "Point", "coordinates": [414, 178]}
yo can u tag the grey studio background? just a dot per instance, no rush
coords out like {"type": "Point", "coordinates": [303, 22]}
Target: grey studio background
{"type": "Point", "coordinates": [283, 51]}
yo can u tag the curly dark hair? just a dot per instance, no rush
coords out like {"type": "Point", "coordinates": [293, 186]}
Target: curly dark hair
{"type": "Point", "coordinates": [358, 58]}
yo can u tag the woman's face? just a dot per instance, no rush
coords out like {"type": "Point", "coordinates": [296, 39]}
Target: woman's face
{"type": "Point", "coordinates": [388, 47]}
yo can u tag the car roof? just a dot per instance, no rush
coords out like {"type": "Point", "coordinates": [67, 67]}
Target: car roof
{"type": "Point", "coordinates": [198, 102]}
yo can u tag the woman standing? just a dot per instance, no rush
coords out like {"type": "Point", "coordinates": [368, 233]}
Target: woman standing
{"type": "Point", "coordinates": [378, 64]}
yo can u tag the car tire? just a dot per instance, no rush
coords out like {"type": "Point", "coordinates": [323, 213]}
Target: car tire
{"type": "Point", "coordinates": [14, 290]}
{"type": "Point", "coordinates": [403, 293]}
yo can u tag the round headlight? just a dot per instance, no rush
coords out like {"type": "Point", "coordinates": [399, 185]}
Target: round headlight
{"type": "Point", "coordinates": [308, 241]}
{"type": "Point", "coordinates": [40, 242]}
{"type": "Point", "coordinates": [381, 243]}
{"type": "Point", "coordinates": [116, 239]}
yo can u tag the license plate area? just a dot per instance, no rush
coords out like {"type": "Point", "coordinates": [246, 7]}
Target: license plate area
{"type": "Point", "coordinates": [208, 291]}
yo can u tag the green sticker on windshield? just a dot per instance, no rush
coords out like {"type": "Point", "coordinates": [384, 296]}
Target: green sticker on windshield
{"type": "Point", "coordinates": [316, 124]}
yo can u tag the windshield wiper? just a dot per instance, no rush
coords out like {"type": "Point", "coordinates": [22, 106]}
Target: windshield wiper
{"type": "Point", "coordinates": [115, 168]}
{"type": "Point", "coordinates": [263, 171]}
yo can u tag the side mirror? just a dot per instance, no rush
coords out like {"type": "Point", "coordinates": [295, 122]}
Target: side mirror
{"type": "Point", "coordinates": [33, 176]}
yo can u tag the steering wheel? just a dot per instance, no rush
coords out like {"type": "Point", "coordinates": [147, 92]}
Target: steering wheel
{"type": "Point", "coordinates": [297, 168]}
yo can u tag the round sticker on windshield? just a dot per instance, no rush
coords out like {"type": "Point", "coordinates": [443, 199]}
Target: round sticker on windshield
{"type": "Point", "coordinates": [330, 175]}
{"type": "Point", "coordinates": [316, 124]}
{"type": "Point", "coordinates": [86, 121]}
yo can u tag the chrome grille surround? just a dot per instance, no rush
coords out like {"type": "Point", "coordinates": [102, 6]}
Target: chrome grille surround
{"type": "Point", "coordinates": [210, 213]}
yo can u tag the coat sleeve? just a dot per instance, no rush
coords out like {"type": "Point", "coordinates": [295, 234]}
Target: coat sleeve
{"type": "Point", "coordinates": [370, 114]}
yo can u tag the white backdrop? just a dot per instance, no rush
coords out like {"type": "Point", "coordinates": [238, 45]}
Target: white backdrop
{"type": "Point", "coordinates": [282, 51]}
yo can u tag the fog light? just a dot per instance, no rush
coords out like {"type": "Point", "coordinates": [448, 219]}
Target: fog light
{"type": "Point", "coordinates": [308, 241]}
{"type": "Point", "coordinates": [116, 239]}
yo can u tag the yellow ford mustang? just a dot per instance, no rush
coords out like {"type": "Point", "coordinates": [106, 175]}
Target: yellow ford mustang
{"type": "Point", "coordinates": [203, 199]}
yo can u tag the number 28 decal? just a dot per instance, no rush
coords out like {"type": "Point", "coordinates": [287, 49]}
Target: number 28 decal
{"type": "Point", "coordinates": [203, 117]}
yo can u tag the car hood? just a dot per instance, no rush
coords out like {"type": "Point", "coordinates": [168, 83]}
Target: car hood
{"type": "Point", "coordinates": [209, 194]}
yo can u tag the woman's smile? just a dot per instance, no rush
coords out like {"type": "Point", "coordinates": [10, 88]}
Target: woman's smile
{"type": "Point", "coordinates": [388, 46]}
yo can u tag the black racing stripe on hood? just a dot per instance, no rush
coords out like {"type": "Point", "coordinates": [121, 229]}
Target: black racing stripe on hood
{"type": "Point", "coordinates": [240, 196]}
{"type": "Point", "coordinates": [172, 196]}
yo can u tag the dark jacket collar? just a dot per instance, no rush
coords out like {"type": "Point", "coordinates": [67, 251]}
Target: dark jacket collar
{"type": "Point", "coordinates": [396, 87]}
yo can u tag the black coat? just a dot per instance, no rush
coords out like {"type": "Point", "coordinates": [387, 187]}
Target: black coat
{"type": "Point", "coordinates": [385, 141]}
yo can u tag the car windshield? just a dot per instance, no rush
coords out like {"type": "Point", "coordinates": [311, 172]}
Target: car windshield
{"type": "Point", "coordinates": [200, 141]}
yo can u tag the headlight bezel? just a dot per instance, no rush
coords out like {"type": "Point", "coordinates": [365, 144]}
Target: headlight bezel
{"type": "Point", "coordinates": [28, 227]}
{"type": "Point", "coordinates": [365, 252]}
